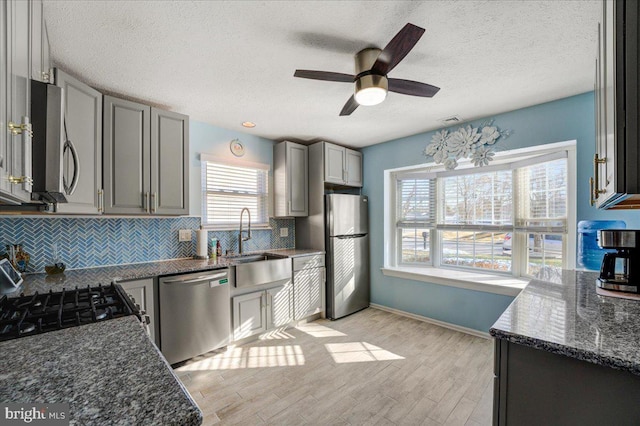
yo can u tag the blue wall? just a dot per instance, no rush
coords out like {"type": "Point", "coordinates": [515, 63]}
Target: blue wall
{"type": "Point", "coordinates": [562, 120]}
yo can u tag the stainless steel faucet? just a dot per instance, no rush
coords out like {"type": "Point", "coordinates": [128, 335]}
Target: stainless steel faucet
{"type": "Point", "coordinates": [241, 239]}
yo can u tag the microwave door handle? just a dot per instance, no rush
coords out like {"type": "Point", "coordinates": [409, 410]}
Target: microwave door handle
{"type": "Point", "coordinates": [70, 189]}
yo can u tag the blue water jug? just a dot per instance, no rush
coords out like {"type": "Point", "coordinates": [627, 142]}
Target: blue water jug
{"type": "Point", "coordinates": [589, 254]}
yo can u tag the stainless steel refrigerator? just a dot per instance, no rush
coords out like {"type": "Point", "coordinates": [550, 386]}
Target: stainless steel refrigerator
{"type": "Point", "coordinates": [347, 245]}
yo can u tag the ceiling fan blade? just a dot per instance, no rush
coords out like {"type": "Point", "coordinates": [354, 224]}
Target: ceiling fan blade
{"type": "Point", "coordinates": [397, 49]}
{"type": "Point", "coordinates": [325, 75]}
{"type": "Point", "coordinates": [350, 106]}
{"type": "Point", "coordinates": [413, 88]}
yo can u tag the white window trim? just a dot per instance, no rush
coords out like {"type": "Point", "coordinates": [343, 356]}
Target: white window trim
{"type": "Point", "coordinates": [497, 283]}
{"type": "Point", "coordinates": [240, 163]}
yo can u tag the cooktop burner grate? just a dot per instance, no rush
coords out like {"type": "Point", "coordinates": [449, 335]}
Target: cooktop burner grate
{"type": "Point", "coordinates": [39, 313]}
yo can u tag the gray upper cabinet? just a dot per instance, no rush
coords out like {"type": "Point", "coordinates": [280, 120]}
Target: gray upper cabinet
{"type": "Point", "coordinates": [19, 99]}
{"type": "Point", "coordinates": [83, 150]}
{"type": "Point", "coordinates": [353, 167]}
{"type": "Point", "coordinates": [145, 157]}
{"type": "Point", "coordinates": [334, 163]}
{"type": "Point", "coordinates": [40, 61]}
{"type": "Point", "coordinates": [342, 166]}
{"type": "Point", "coordinates": [126, 156]}
{"type": "Point", "coordinates": [290, 179]}
{"type": "Point", "coordinates": [5, 138]}
{"type": "Point", "coordinates": [169, 163]}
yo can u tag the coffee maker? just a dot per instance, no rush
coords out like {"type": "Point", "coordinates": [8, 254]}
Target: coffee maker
{"type": "Point", "coordinates": [620, 270]}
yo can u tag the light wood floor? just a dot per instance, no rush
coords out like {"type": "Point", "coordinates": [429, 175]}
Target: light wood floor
{"type": "Point", "coordinates": [370, 368]}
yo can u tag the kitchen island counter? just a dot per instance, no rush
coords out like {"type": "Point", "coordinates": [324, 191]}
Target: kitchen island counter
{"type": "Point", "coordinates": [108, 372]}
{"type": "Point", "coordinates": [561, 313]}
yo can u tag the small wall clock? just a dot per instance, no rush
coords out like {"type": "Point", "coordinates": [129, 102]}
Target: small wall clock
{"type": "Point", "coordinates": [237, 148]}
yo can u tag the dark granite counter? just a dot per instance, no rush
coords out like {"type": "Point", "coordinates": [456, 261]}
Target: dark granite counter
{"type": "Point", "coordinates": [105, 275]}
{"type": "Point", "coordinates": [563, 314]}
{"type": "Point", "coordinates": [109, 373]}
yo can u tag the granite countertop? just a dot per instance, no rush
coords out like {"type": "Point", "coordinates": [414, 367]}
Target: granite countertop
{"type": "Point", "coordinates": [105, 275]}
{"type": "Point", "coordinates": [108, 372]}
{"type": "Point", "coordinates": [562, 313]}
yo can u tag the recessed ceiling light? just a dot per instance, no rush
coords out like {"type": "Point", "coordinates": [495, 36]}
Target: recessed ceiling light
{"type": "Point", "coordinates": [248, 124]}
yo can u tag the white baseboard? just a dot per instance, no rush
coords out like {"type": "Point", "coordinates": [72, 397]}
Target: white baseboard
{"type": "Point", "coordinates": [448, 325]}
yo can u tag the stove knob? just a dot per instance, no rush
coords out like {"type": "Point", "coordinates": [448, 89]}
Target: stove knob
{"type": "Point", "coordinates": [133, 300]}
{"type": "Point", "coordinates": [143, 312]}
{"type": "Point", "coordinates": [146, 319]}
{"type": "Point", "coordinates": [138, 306]}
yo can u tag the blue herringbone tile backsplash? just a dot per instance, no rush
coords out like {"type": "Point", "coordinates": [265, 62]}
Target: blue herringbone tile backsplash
{"type": "Point", "coordinates": [87, 242]}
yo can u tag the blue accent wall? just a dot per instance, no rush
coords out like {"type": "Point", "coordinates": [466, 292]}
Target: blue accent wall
{"type": "Point", "coordinates": [565, 119]}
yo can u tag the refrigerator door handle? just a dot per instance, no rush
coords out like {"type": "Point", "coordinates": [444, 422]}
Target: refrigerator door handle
{"type": "Point", "coordinates": [346, 237]}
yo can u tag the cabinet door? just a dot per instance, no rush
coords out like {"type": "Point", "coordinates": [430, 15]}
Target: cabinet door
{"type": "Point", "coordinates": [307, 292]}
{"type": "Point", "coordinates": [36, 41]}
{"type": "Point", "coordinates": [279, 306]}
{"type": "Point", "coordinates": [169, 163]}
{"type": "Point", "coordinates": [334, 163]}
{"type": "Point", "coordinates": [5, 136]}
{"type": "Point", "coordinates": [354, 167]}
{"type": "Point", "coordinates": [47, 68]}
{"type": "Point", "coordinates": [608, 171]}
{"type": "Point", "coordinates": [83, 123]}
{"type": "Point", "coordinates": [19, 92]}
{"type": "Point", "coordinates": [143, 293]}
{"type": "Point", "coordinates": [297, 179]}
{"type": "Point", "coordinates": [126, 155]}
{"type": "Point", "coordinates": [249, 315]}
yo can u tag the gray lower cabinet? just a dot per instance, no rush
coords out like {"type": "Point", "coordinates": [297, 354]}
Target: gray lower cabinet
{"type": "Point", "coordinates": [82, 159]}
{"type": "Point", "coordinates": [249, 315]}
{"type": "Point", "coordinates": [145, 159]}
{"type": "Point", "coordinates": [536, 387]}
{"type": "Point", "coordinates": [257, 312]}
{"type": "Point", "coordinates": [308, 285]}
{"type": "Point", "coordinates": [143, 292]}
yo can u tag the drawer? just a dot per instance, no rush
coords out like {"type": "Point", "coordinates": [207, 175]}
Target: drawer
{"type": "Point", "coordinates": [308, 262]}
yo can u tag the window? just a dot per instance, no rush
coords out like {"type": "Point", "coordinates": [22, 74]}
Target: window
{"type": "Point", "coordinates": [228, 187]}
{"type": "Point", "coordinates": [508, 218]}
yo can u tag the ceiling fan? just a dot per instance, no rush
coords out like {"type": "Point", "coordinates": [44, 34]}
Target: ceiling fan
{"type": "Point", "coordinates": [372, 67]}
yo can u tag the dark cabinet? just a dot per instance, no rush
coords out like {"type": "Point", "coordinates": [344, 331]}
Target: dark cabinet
{"type": "Point", "coordinates": [615, 183]}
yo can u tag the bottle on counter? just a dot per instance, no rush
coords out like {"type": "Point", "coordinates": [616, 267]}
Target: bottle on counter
{"type": "Point", "coordinates": [214, 249]}
{"type": "Point", "coordinates": [219, 249]}
{"type": "Point", "coordinates": [21, 258]}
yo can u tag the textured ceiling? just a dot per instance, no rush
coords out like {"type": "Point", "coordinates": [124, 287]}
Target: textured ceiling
{"type": "Point", "coordinates": [228, 62]}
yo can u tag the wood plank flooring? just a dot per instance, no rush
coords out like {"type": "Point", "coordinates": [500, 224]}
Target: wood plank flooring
{"type": "Point", "coordinates": [370, 368]}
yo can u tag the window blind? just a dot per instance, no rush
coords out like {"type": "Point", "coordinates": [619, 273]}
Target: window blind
{"type": "Point", "coordinates": [228, 188]}
{"type": "Point", "coordinates": [542, 200]}
{"type": "Point", "coordinates": [416, 203]}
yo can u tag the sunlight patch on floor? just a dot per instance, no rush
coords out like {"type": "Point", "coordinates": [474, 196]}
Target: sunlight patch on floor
{"type": "Point", "coordinates": [277, 334]}
{"type": "Point", "coordinates": [251, 357]}
{"type": "Point", "coordinates": [359, 352]}
{"type": "Point", "coordinates": [317, 330]}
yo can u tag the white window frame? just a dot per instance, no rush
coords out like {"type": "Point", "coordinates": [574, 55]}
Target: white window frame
{"type": "Point", "coordinates": [509, 283]}
{"type": "Point", "coordinates": [256, 222]}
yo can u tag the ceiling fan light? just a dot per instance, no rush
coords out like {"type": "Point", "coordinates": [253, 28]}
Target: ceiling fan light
{"type": "Point", "coordinates": [371, 89]}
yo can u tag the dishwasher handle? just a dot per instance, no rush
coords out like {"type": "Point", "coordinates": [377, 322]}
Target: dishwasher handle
{"type": "Point", "coordinates": [189, 279]}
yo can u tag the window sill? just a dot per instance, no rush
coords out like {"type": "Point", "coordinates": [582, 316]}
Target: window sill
{"type": "Point", "coordinates": [497, 284]}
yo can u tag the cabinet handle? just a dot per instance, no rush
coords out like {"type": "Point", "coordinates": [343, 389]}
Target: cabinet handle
{"type": "Point", "coordinates": [18, 129]}
{"type": "Point", "coordinates": [100, 200]}
{"type": "Point", "coordinates": [20, 179]}
{"type": "Point", "coordinates": [154, 203]}
{"type": "Point", "coordinates": [146, 202]}
{"type": "Point", "coordinates": [596, 184]}
{"type": "Point", "coordinates": [592, 200]}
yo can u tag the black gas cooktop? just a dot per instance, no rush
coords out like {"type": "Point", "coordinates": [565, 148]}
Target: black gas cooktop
{"type": "Point", "coordinates": [39, 313]}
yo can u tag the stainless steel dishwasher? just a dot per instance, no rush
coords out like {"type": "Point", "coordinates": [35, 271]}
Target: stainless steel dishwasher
{"type": "Point", "coordinates": [195, 314]}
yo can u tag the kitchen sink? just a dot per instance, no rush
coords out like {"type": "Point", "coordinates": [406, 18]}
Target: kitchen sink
{"type": "Point", "coordinates": [258, 269]}
{"type": "Point", "coordinates": [249, 258]}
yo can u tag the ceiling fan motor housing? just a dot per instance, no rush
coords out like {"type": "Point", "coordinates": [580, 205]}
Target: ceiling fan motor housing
{"type": "Point", "coordinates": [370, 89]}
